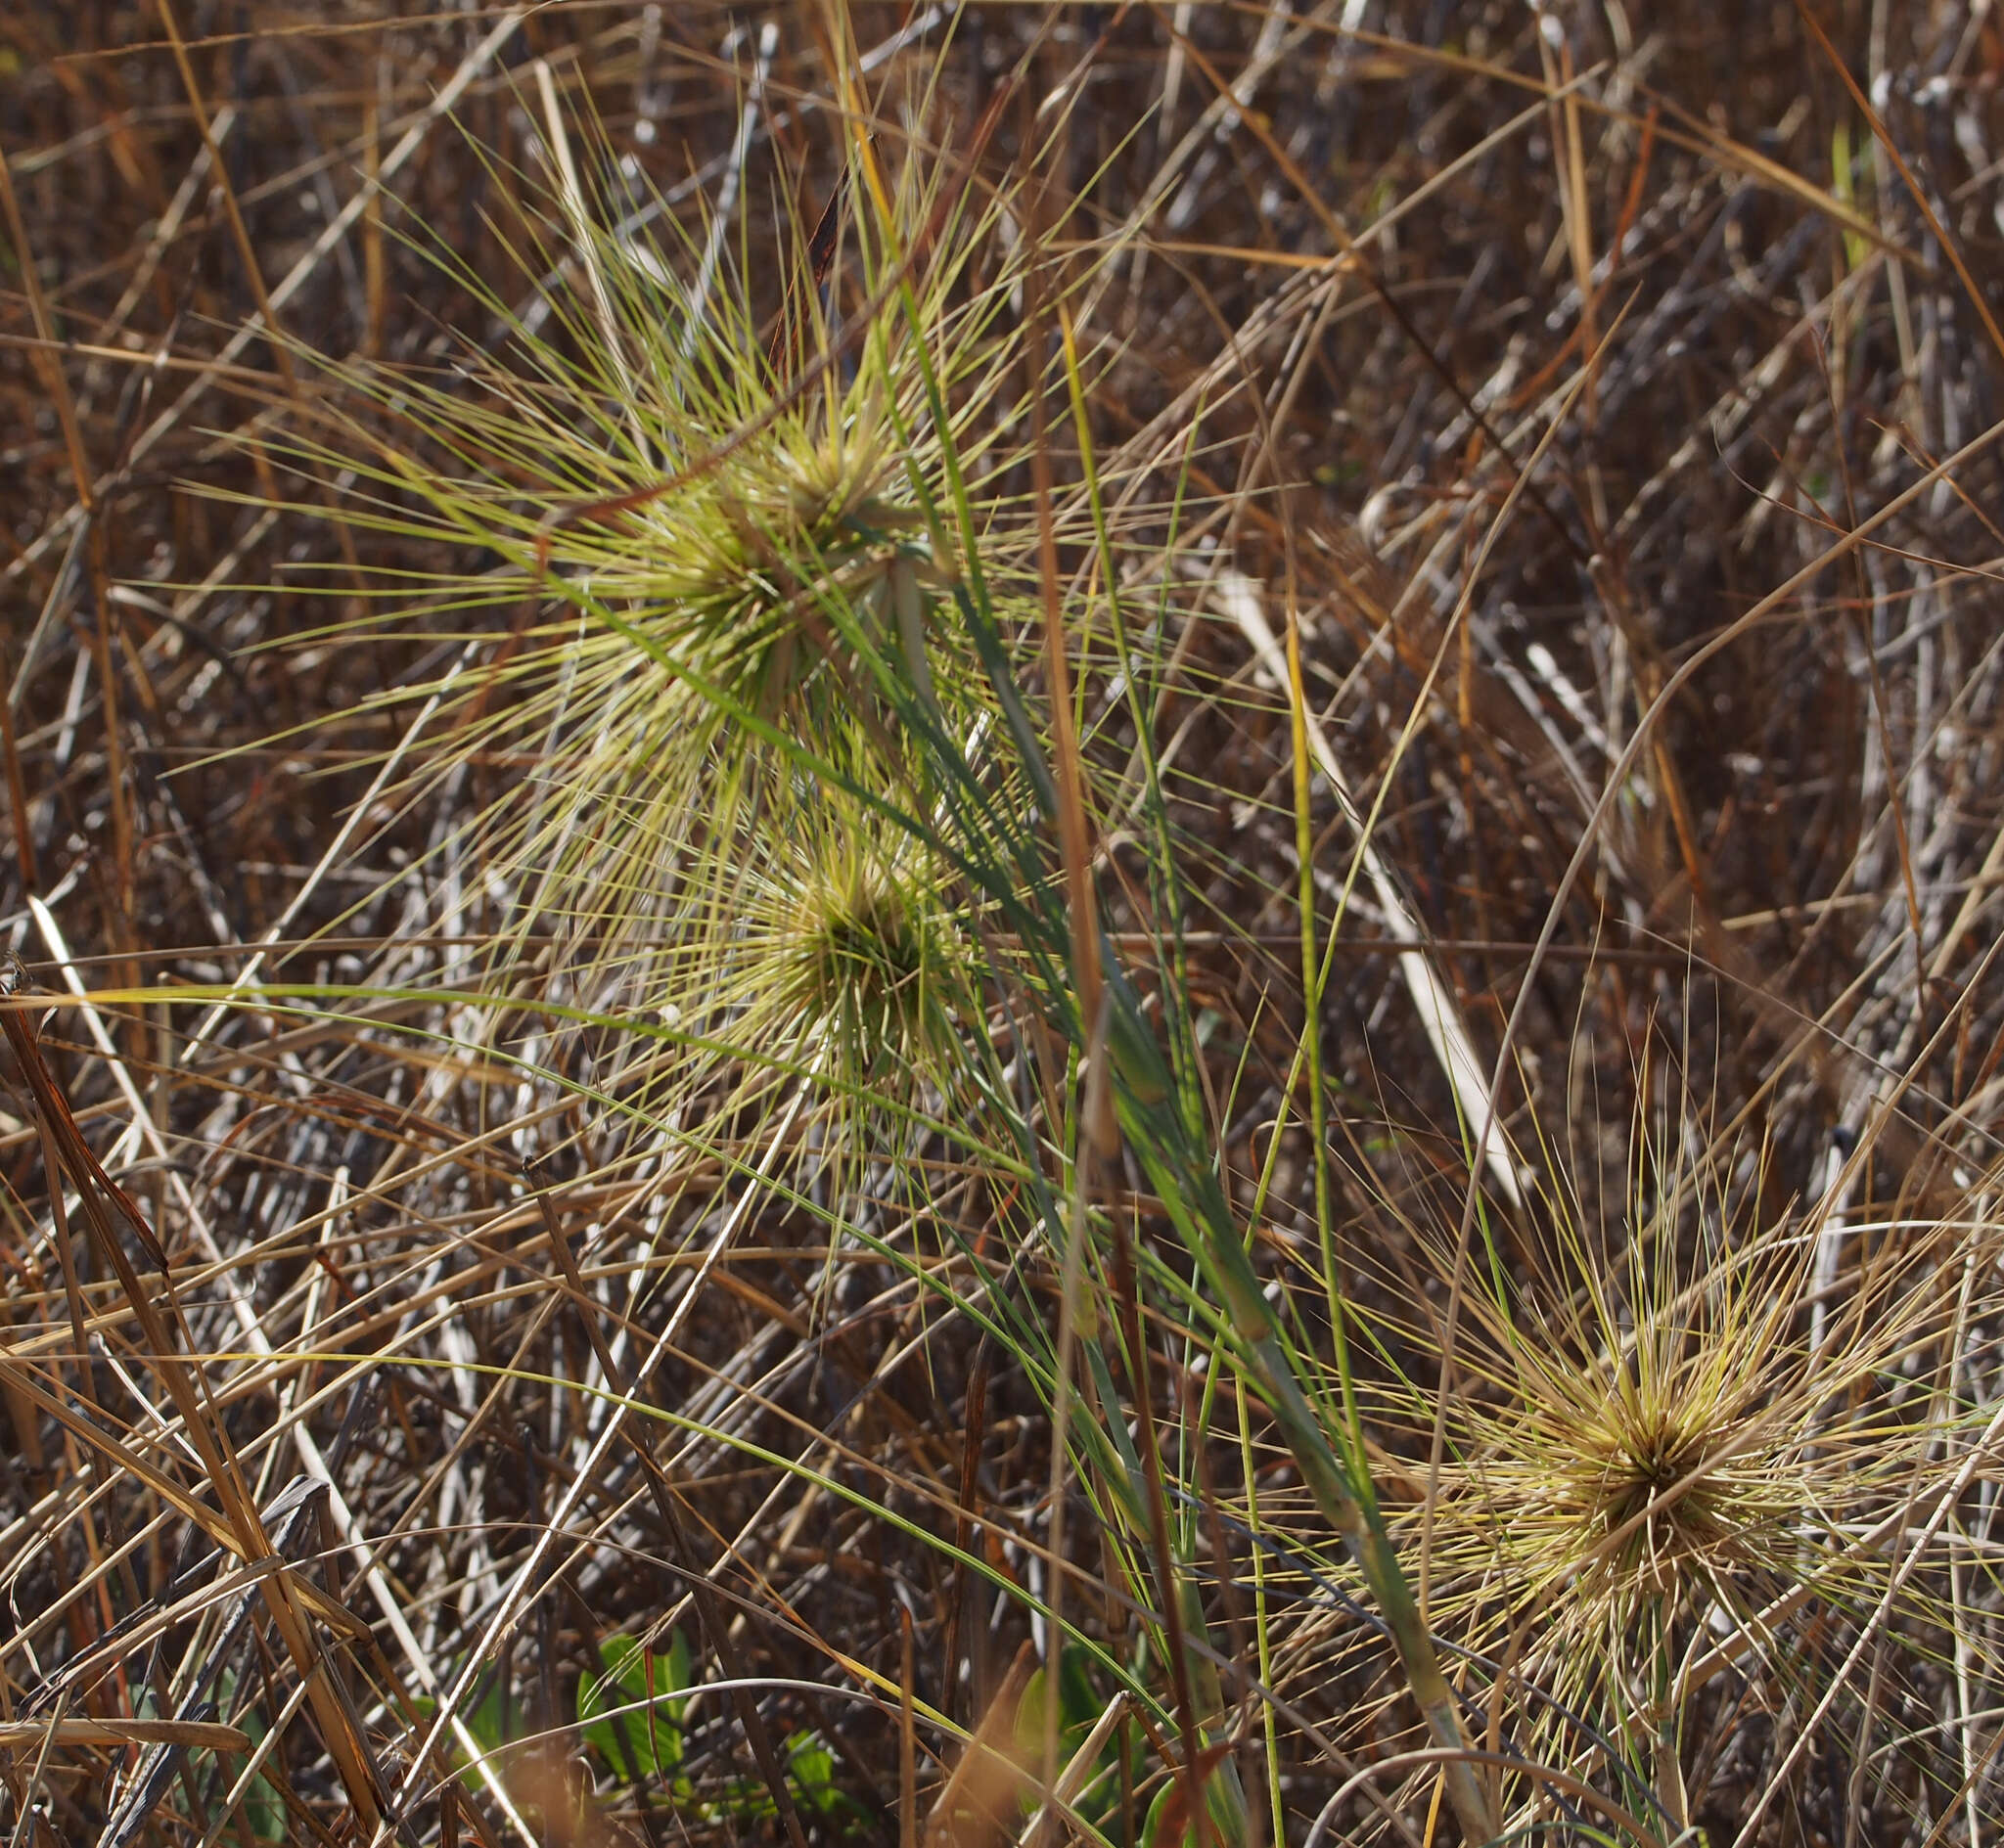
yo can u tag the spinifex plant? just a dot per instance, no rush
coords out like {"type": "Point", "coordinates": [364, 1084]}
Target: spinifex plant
{"type": "Point", "coordinates": [1668, 1477]}
{"type": "Point", "coordinates": [845, 953]}
{"type": "Point", "coordinates": [710, 512]}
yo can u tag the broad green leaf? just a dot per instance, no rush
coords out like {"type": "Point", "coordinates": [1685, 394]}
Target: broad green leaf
{"type": "Point", "coordinates": [811, 1766]}
{"type": "Point", "coordinates": [1078, 1706]}
{"type": "Point", "coordinates": [631, 1713]}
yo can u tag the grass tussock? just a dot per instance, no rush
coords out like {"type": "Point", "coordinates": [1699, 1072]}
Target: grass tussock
{"type": "Point", "coordinates": [978, 925]}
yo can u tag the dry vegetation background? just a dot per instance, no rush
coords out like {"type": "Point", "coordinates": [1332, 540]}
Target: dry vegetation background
{"type": "Point", "coordinates": [1607, 392]}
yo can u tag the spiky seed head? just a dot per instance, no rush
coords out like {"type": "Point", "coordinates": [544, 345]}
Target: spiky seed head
{"type": "Point", "coordinates": [849, 946]}
{"type": "Point", "coordinates": [701, 546]}
{"type": "Point", "coordinates": [1654, 1448]}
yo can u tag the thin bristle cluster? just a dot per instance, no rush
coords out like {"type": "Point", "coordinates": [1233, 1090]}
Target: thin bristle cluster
{"type": "Point", "coordinates": [718, 543]}
{"type": "Point", "coordinates": [1627, 1484]}
{"type": "Point", "coordinates": [1658, 1445]}
{"type": "Point", "coordinates": [843, 952]}
{"type": "Point", "coordinates": [861, 959]}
